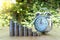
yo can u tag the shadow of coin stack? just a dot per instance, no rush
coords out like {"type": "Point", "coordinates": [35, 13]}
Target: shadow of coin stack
{"type": "Point", "coordinates": [17, 29]}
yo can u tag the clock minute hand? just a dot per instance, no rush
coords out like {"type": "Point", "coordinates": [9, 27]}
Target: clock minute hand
{"type": "Point", "coordinates": [40, 21]}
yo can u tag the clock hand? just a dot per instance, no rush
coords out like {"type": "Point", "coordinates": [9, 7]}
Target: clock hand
{"type": "Point", "coordinates": [41, 21]}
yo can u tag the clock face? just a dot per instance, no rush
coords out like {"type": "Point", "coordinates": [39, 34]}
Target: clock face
{"type": "Point", "coordinates": [41, 23]}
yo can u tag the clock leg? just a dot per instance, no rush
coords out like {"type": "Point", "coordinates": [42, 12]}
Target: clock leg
{"type": "Point", "coordinates": [44, 33]}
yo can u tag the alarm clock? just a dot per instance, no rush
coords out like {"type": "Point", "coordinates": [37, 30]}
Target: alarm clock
{"type": "Point", "coordinates": [42, 24]}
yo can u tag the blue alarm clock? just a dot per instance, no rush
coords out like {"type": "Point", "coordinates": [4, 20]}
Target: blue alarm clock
{"type": "Point", "coordinates": [41, 23]}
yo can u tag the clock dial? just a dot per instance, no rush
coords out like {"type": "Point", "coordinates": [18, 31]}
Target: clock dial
{"type": "Point", "coordinates": [41, 23]}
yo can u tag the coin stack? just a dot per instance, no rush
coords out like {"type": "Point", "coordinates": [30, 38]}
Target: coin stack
{"type": "Point", "coordinates": [17, 29]}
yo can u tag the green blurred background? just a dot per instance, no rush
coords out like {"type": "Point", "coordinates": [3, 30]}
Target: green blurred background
{"type": "Point", "coordinates": [24, 11]}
